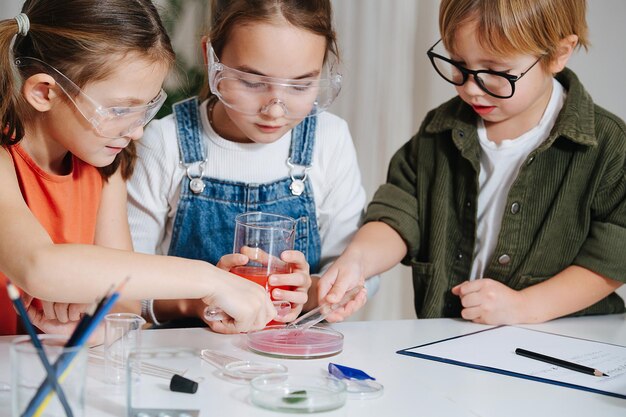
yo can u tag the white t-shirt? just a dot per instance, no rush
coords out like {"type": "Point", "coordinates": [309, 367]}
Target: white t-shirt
{"type": "Point", "coordinates": [499, 166]}
{"type": "Point", "coordinates": [154, 189]}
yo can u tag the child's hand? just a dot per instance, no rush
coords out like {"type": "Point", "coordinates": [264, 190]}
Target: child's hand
{"type": "Point", "coordinates": [247, 305]}
{"type": "Point", "coordinates": [63, 312]}
{"type": "Point", "coordinates": [55, 326]}
{"type": "Point", "coordinates": [488, 301]}
{"type": "Point", "coordinates": [299, 278]}
{"type": "Point", "coordinates": [344, 274]}
{"type": "Point", "coordinates": [231, 260]}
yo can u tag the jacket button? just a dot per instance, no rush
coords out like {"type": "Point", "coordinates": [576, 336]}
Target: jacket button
{"type": "Point", "coordinates": [461, 133]}
{"type": "Point", "coordinates": [530, 160]}
{"type": "Point", "coordinates": [459, 255]}
{"type": "Point", "coordinates": [515, 207]}
{"type": "Point", "coordinates": [504, 259]}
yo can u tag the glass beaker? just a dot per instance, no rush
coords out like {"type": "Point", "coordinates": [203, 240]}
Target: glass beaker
{"type": "Point", "coordinates": [122, 334]}
{"type": "Point", "coordinates": [263, 237]}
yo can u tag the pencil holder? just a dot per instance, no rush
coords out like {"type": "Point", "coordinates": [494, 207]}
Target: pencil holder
{"type": "Point", "coordinates": [28, 374]}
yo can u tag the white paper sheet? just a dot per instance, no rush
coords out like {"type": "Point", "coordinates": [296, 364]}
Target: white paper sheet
{"type": "Point", "coordinates": [494, 350]}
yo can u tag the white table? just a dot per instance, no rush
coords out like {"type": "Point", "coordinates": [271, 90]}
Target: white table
{"type": "Point", "coordinates": [413, 386]}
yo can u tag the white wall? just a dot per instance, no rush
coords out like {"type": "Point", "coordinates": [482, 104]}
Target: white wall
{"type": "Point", "coordinates": [9, 8]}
{"type": "Point", "coordinates": [600, 69]}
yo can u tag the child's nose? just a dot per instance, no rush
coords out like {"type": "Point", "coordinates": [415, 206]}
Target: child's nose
{"type": "Point", "coordinates": [275, 108]}
{"type": "Point", "coordinates": [135, 134]}
{"type": "Point", "coordinates": [471, 87]}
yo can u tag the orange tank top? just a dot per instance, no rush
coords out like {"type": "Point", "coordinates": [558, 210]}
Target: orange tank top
{"type": "Point", "coordinates": [65, 205]}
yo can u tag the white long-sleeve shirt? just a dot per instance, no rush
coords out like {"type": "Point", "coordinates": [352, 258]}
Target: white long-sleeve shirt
{"type": "Point", "coordinates": [154, 189]}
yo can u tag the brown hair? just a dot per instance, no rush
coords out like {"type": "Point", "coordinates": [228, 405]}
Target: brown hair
{"type": "Point", "coordinates": [78, 37]}
{"type": "Point", "coordinates": [313, 15]}
{"type": "Point", "coordinates": [508, 27]}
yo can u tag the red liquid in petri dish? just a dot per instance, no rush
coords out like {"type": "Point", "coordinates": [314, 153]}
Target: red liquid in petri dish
{"type": "Point", "coordinates": [278, 341]}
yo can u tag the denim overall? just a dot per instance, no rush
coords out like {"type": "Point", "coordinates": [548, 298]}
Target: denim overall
{"type": "Point", "coordinates": [204, 226]}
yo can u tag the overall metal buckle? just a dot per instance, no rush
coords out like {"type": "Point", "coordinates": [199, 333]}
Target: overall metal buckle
{"type": "Point", "coordinates": [196, 184]}
{"type": "Point", "coordinates": [297, 185]}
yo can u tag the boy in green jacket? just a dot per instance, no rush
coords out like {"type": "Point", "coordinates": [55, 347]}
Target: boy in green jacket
{"type": "Point", "coordinates": [510, 202]}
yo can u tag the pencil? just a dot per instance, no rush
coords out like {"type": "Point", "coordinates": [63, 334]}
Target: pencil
{"type": "Point", "coordinates": [559, 362]}
{"type": "Point", "coordinates": [14, 295]}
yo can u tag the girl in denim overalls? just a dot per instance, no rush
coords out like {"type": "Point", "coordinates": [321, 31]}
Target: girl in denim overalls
{"type": "Point", "coordinates": [259, 142]}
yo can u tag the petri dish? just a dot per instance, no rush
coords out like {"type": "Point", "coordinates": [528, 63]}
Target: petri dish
{"type": "Point", "coordinates": [298, 393]}
{"type": "Point", "coordinates": [312, 343]}
{"type": "Point", "coordinates": [363, 389]}
{"type": "Point", "coordinates": [359, 384]}
{"type": "Point", "coordinates": [248, 370]}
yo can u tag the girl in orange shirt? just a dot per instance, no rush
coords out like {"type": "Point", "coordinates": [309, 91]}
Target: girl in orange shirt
{"type": "Point", "coordinates": [79, 79]}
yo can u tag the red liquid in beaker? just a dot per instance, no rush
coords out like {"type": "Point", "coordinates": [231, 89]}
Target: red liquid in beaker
{"type": "Point", "coordinates": [260, 275]}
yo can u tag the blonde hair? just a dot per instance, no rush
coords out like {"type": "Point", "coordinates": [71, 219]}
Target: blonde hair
{"type": "Point", "coordinates": [509, 27]}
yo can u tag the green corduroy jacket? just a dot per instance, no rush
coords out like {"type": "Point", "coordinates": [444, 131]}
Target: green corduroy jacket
{"type": "Point", "coordinates": [566, 207]}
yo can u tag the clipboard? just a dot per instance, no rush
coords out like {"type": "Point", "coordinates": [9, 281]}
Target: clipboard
{"type": "Point", "coordinates": [493, 350]}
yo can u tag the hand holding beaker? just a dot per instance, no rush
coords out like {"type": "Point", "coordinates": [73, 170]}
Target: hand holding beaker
{"type": "Point", "coordinates": [267, 241]}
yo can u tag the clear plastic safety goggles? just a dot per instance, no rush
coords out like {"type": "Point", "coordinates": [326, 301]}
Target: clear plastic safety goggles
{"type": "Point", "coordinates": [254, 94]}
{"type": "Point", "coordinates": [110, 122]}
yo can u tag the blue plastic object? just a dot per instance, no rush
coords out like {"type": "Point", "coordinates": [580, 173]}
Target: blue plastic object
{"type": "Point", "coordinates": [345, 372]}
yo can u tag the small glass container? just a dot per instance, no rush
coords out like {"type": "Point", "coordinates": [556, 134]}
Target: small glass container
{"type": "Point", "coordinates": [363, 390]}
{"type": "Point", "coordinates": [248, 370]}
{"type": "Point", "coordinates": [359, 384]}
{"type": "Point", "coordinates": [312, 343]}
{"type": "Point", "coordinates": [237, 370]}
{"type": "Point", "coordinates": [298, 393]}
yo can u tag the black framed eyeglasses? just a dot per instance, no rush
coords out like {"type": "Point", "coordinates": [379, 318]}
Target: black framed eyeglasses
{"type": "Point", "coordinates": [495, 83]}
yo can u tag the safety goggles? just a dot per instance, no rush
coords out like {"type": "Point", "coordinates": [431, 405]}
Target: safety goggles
{"type": "Point", "coordinates": [253, 94]}
{"type": "Point", "coordinates": [110, 122]}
